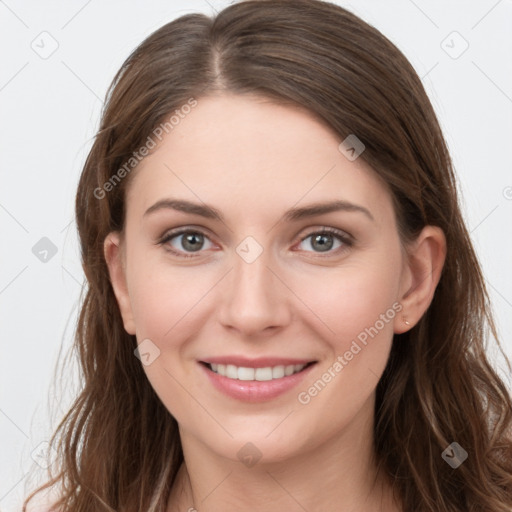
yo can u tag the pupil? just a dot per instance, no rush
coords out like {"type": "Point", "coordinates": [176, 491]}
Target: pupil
{"type": "Point", "coordinates": [189, 241]}
{"type": "Point", "coordinates": [324, 246]}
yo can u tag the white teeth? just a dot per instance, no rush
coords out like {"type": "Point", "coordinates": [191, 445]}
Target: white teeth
{"type": "Point", "coordinates": [289, 369]}
{"type": "Point", "coordinates": [243, 373]}
{"type": "Point", "coordinates": [231, 371]}
{"type": "Point", "coordinates": [260, 374]}
{"type": "Point", "coordinates": [263, 373]}
{"type": "Point", "coordinates": [278, 372]}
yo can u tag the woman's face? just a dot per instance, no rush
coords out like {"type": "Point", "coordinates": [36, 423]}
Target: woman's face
{"type": "Point", "coordinates": [253, 282]}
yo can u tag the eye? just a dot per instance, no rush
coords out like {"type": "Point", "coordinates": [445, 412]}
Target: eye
{"type": "Point", "coordinates": [325, 239]}
{"type": "Point", "coordinates": [185, 240]}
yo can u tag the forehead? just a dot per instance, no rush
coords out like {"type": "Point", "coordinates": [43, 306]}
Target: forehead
{"type": "Point", "coordinates": [256, 156]}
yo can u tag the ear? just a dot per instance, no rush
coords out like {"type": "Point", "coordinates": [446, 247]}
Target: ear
{"type": "Point", "coordinates": [420, 277]}
{"type": "Point", "coordinates": [114, 256]}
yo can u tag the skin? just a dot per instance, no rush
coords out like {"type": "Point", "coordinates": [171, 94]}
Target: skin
{"type": "Point", "coordinates": [253, 160]}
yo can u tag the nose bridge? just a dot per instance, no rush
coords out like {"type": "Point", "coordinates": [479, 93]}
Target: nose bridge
{"type": "Point", "coordinates": [253, 298]}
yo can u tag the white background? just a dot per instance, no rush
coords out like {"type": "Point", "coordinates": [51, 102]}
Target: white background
{"type": "Point", "coordinates": [50, 112]}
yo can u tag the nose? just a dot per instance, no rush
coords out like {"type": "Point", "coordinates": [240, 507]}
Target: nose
{"type": "Point", "coordinates": [254, 298]}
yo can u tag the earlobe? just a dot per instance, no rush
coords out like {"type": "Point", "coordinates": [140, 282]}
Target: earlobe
{"type": "Point", "coordinates": [422, 272]}
{"type": "Point", "coordinates": [115, 262]}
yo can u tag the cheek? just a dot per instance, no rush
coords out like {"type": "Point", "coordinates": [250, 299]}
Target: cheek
{"type": "Point", "coordinates": [351, 299]}
{"type": "Point", "coordinates": [163, 303]}
{"type": "Point", "coordinates": [161, 294]}
{"type": "Point", "coordinates": [359, 306]}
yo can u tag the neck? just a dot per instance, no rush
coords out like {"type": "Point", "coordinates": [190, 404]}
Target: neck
{"type": "Point", "coordinates": [339, 474]}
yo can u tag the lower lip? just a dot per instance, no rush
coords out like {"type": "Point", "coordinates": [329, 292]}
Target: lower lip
{"type": "Point", "coordinates": [253, 390]}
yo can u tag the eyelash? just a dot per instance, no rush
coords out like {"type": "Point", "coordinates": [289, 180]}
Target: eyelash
{"type": "Point", "coordinates": [340, 235]}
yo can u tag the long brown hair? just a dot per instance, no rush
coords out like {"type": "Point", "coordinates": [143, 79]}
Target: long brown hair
{"type": "Point", "coordinates": [119, 447]}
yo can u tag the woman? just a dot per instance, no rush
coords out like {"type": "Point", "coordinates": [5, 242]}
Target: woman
{"type": "Point", "coordinates": [284, 309]}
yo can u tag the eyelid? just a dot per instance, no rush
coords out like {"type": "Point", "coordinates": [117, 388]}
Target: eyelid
{"type": "Point", "coordinates": [331, 231]}
{"type": "Point", "coordinates": [170, 234]}
{"type": "Point", "coordinates": [345, 238]}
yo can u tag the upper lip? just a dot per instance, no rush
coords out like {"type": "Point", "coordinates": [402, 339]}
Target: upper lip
{"type": "Point", "coordinates": [260, 362]}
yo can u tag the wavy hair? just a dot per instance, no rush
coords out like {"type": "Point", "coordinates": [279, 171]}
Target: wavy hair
{"type": "Point", "coordinates": [119, 447]}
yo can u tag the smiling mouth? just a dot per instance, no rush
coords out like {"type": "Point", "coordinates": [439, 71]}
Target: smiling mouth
{"type": "Point", "coordinates": [267, 373]}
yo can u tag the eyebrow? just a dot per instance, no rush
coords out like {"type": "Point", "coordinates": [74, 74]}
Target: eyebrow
{"type": "Point", "coordinates": [294, 214]}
